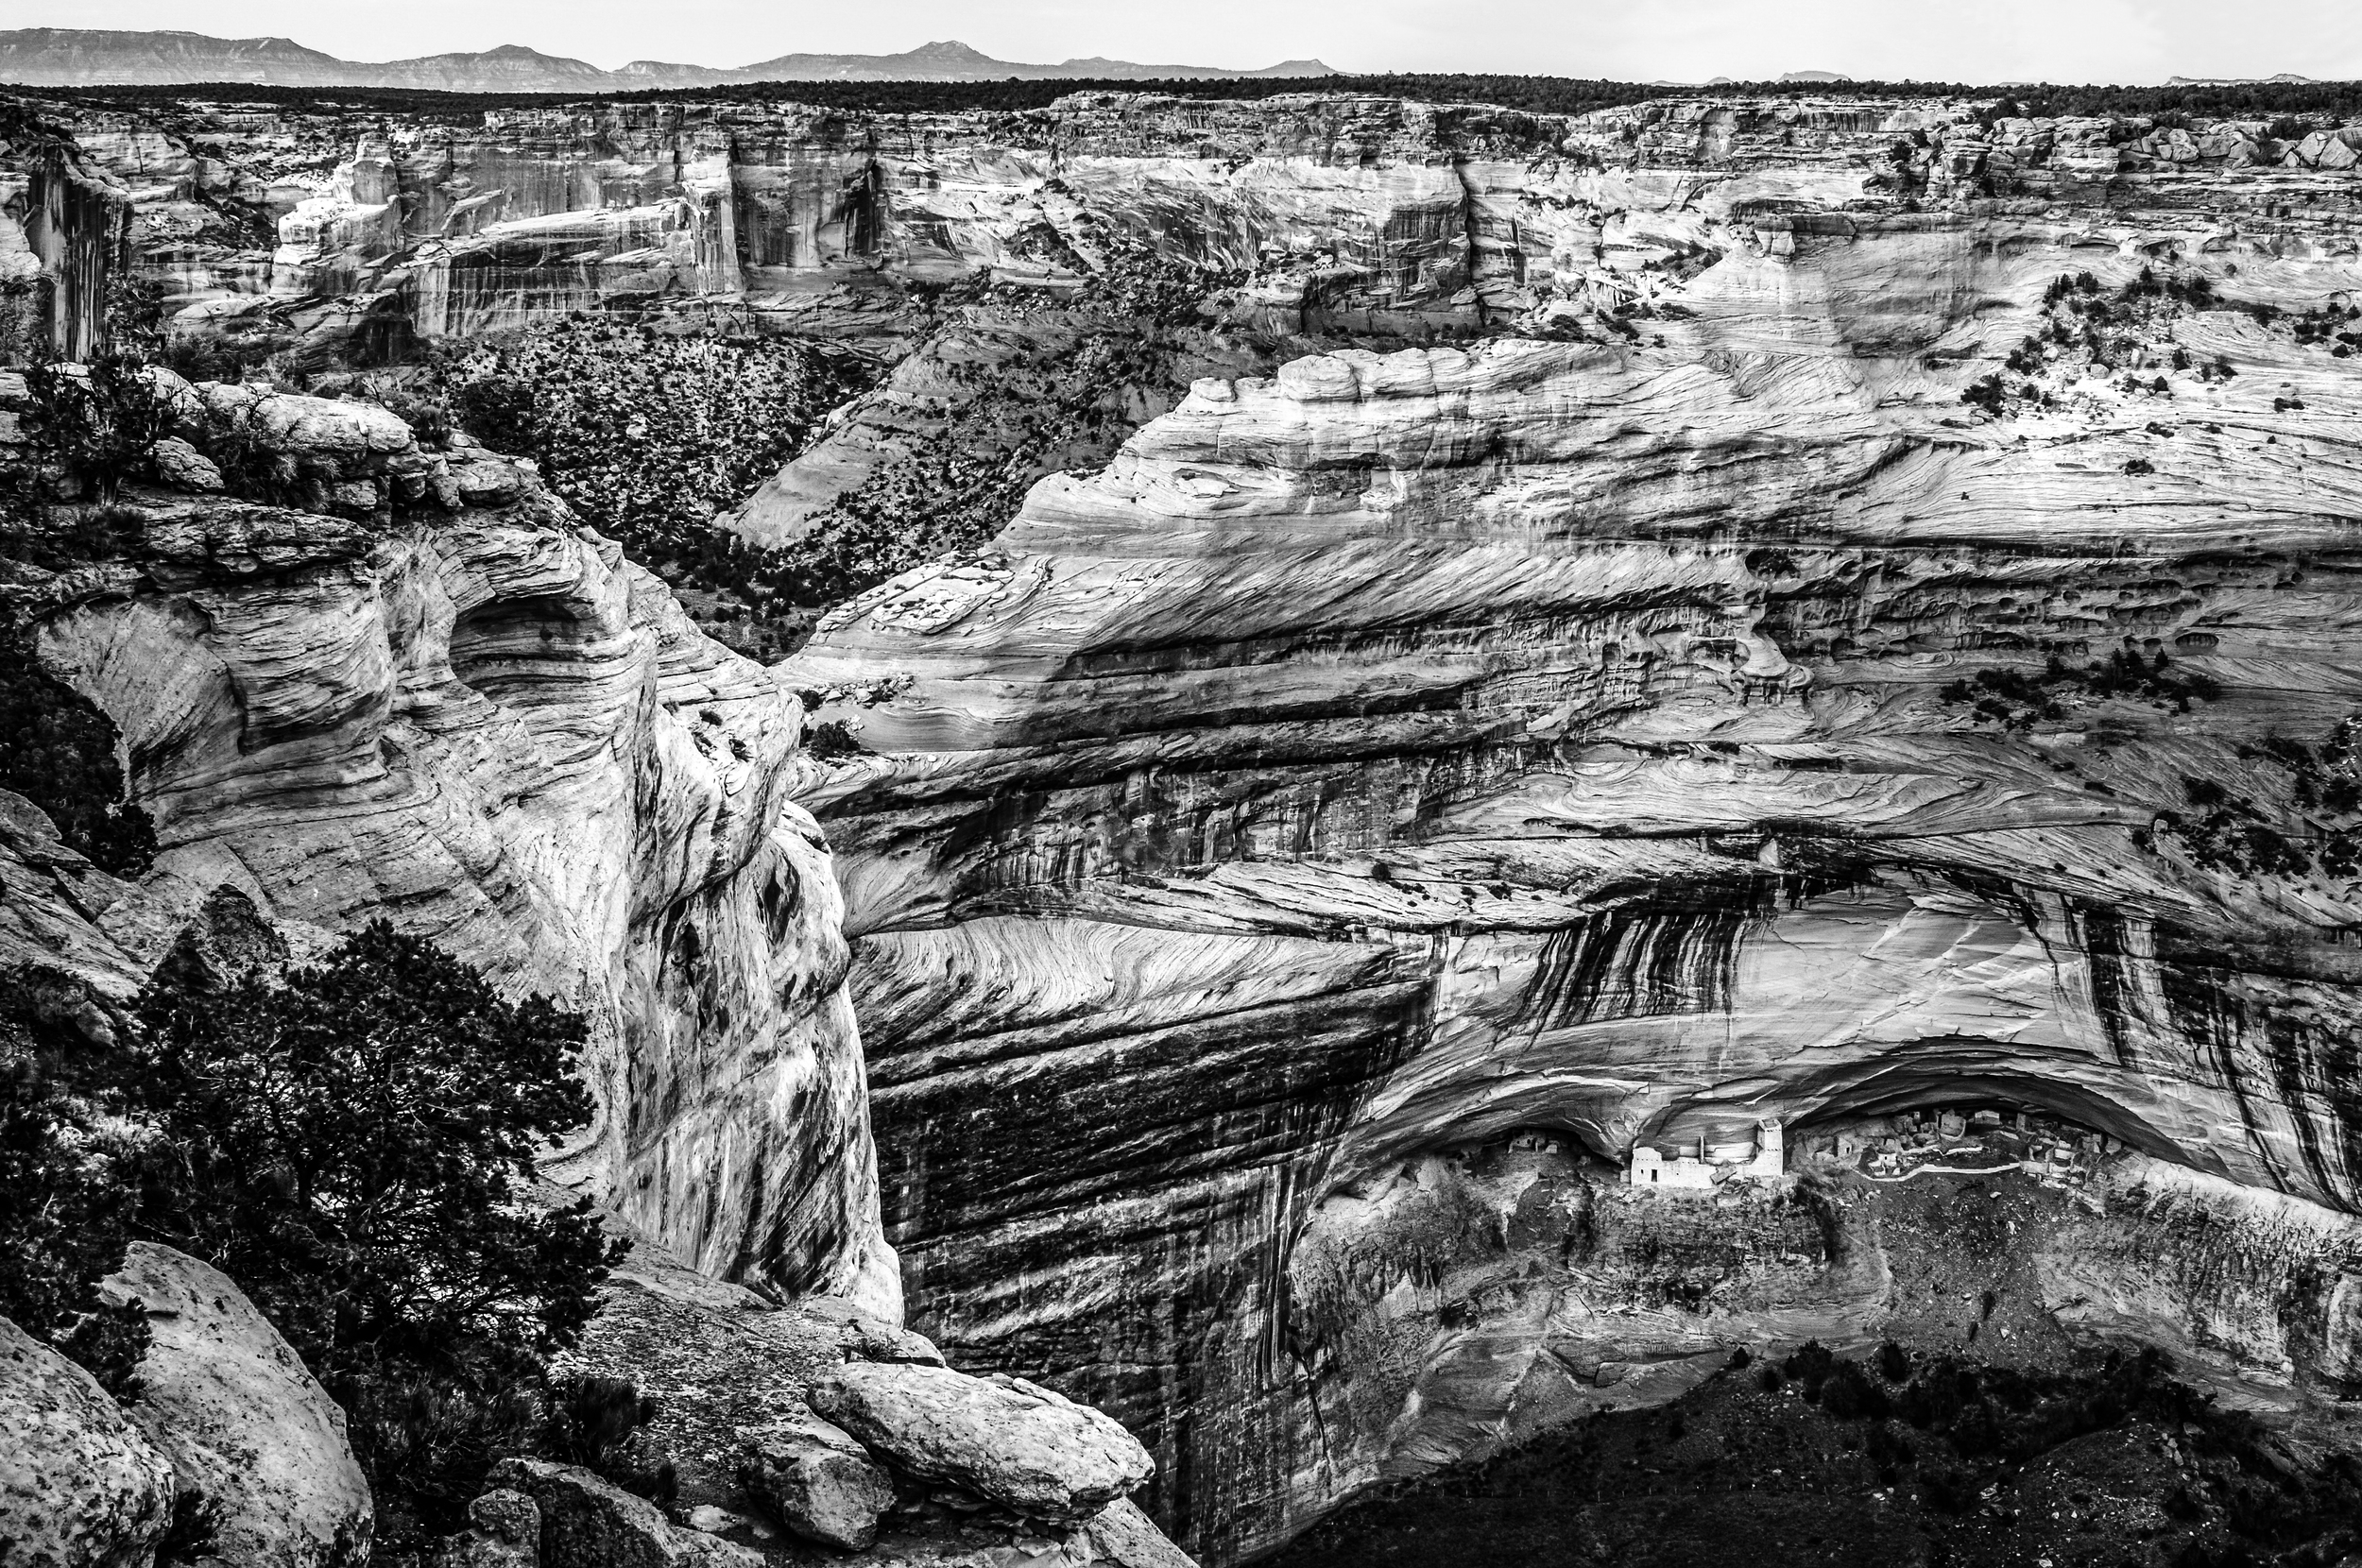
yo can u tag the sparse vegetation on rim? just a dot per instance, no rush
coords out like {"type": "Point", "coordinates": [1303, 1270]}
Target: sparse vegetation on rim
{"type": "Point", "coordinates": [2330, 100]}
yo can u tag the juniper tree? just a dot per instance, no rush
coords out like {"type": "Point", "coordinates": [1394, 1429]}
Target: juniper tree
{"type": "Point", "coordinates": [354, 1143]}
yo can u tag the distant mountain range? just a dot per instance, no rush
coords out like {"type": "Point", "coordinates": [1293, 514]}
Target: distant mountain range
{"type": "Point", "coordinates": [2284, 78]}
{"type": "Point", "coordinates": [78, 56]}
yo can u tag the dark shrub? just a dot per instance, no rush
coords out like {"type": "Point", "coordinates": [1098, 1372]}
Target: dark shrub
{"type": "Point", "coordinates": [497, 412]}
{"type": "Point", "coordinates": [834, 737]}
{"type": "Point", "coordinates": [1849, 1394]}
{"type": "Point", "coordinates": [1975, 1430]}
{"type": "Point", "coordinates": [1887, 1448]}
{"type": "Point", "coordinates": [101, 422]}
{"type": "Point", "coordinates": [1810, 1365]}
{"type": "Point", "coordinates": [64, 1212]}
{"type": "Point", "coordinates": [353, 1145]}
{"type": "Point", "coordinates": [601, 1424]}
{"type": "Point", "coordinates": [58, 751]}
{"type": "Point", "coordinates": [1936, 1397]}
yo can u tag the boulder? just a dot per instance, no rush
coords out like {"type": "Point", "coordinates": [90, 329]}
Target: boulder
{"type": "Point", "coordinates": [877, 1341]}
{"type": "Point", "coordinates": [79, 1486]}
{"type": "Point", "coordinates": [487, 481]}
{"type": "Point", "coordinates": [223, 940]}
{"type": "Point", "coordinates": [241, 1420]}
{"type": "Point", "coordinates": [1001, 1437]}
{"type": "Point", "coordinates": [587, 1522]}
{"type": "Point", "coordinates": [182, 467]}
{"type": "Point", "coordinates": [2341, 1342]}
{"type": "Point", "coordinates": [814, 1478]}
{"type": "Point", "coordinates": [867, 1337]}
{"type": "Point", "coordinates": [355, 496]}
{"type": "Point", "coordinates": [504, 1531]}
{"type": "Point", "coordinates": [1125, 1537]}
{"type": "Point", "coordinates": [318, 429]}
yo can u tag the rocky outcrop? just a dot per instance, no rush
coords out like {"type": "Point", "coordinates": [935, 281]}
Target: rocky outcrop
{"type": "Point", "coordinates": [79, 1487]}
{"type": "Point", "coordinates": [590, 1523]}
{"type": "Point", "coordinates": [733, 1376]}
{"type": "Point", "coordinates": [504, 1531]}
{"type": "Point", "coordinates": [247, 1428]}
{"type": "Point", "coordinates": [1864, 634]}
{"type": "Point", "coordinates": [432, 697]}
{"type": "Point", "coordinates": [75, 976]}
{"type": "Point", "coordinates": [1584, 737]}
{"type": "Point", "coordinates": [1125, 1537]}
{"type": "Point", "coordinates": [65, 230]}
{"type": "Point", "coordinates": [817, 1480]}
{"type": "Point", "coordinates": [1000, 1438]}
{"type": "Point", "coordinates": [2253, 1295]}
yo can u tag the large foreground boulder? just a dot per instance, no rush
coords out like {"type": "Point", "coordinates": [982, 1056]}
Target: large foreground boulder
{"type": "Point", "coordinates": [587, 1522]}
{"type": "Point", "coordinates": [242, 1420]}
{"type": "Point", "coordinates": [814, 1478]}
{"type": "Point", "coordinates": [79, 1487]}
{"type": "Point", "coordinates": [1000, 1438]}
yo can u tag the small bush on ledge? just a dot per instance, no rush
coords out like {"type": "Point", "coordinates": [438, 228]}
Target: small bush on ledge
{"type": "Point", "coordinates": [2016, 700]}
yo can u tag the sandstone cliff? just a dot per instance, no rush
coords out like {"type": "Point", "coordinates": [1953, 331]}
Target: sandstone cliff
{"type": "Point", "coordinates": [430, 696]}
{"type": "Point", "coordinates": [1607, 738]}
{"type": "Point", "coordinates": [65, 228]}
{"type": "Point", "coordinates": [1864, 630]}
{"type": "Point", "coordinates": [1369, 214]}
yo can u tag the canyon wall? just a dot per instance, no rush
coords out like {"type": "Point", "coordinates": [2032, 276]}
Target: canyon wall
{"type": "Point", "coordinates": [1858, 626]}
{"type": "Point", "coordinates": [790, 215]}
{"type": "Point", "coordinates": [1708, 716]}
{"type": "Point", "coordinates": [64, 229]}
{"type": "Point", "coordinates": [417, 691]}
{"type": "Point", "coordinates": [1360, 215]}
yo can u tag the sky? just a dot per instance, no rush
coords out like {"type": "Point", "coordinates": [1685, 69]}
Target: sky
{"type": "Point", "coordinates": [2062, 41]}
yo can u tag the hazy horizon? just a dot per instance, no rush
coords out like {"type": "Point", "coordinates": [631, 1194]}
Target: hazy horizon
{"type": "Point", "coordinates": [2100, 40]}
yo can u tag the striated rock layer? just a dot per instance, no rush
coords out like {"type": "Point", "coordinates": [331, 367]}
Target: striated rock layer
{"type": "Point", "coordinates": [1360, 214]}
{"type": "Point", "coordinates": [1635, 729]}
{"type": "Point", "coordinates": [435, 699]}
{"type": "Point", "coordinates": [1586, 737]}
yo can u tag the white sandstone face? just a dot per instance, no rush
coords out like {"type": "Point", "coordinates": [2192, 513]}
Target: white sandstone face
{"type": "Point", "coordinates": [1408, 750]}
{"type": "Point", "coordinates": [452, 707]}
{"type": "Point", "coordinates": [1545, 736]}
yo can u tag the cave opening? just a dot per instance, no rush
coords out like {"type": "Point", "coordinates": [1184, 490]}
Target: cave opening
{"type": "Point", "coordinates": [1916, 1096]}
